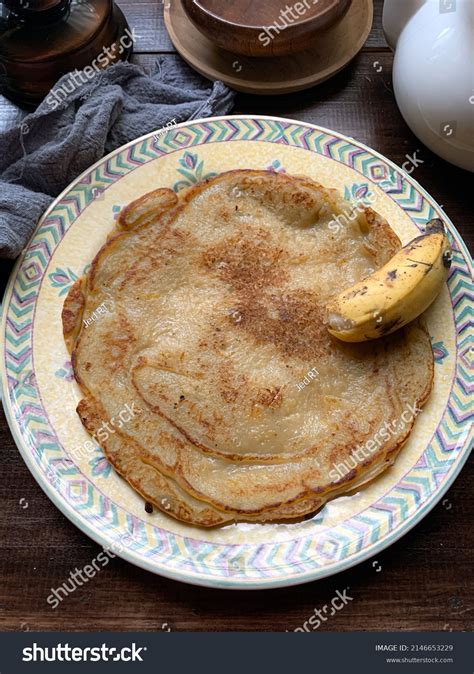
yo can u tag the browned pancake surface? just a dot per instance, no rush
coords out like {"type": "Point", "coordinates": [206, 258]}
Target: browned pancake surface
{"type": "Point", "coordinates": [216, 315]}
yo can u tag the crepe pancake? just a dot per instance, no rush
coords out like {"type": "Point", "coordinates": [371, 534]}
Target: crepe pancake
{"type": "Point", "coordinates": [215, 314]}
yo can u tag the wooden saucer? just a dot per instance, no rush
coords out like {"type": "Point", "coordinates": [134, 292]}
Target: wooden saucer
{"type": "Point", "coordinates": [333, 50]}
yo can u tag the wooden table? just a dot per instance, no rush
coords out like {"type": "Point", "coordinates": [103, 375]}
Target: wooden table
{"type": "Point", "coordinates": [423, 582]}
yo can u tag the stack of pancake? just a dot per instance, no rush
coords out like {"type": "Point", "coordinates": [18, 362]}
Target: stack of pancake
{"type": "Point", "coordinates": [215, 313]}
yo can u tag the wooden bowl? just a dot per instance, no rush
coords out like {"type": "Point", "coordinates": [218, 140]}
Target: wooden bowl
{"type": "Point", "coordinates": [264, 27]}
{"type": "Point", "coordinates": [333, 49]}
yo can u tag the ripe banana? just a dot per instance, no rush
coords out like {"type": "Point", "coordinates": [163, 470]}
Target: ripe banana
{"type": "Point", "coordinates": [395, 294]}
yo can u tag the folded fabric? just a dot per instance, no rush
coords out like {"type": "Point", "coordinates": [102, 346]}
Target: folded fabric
{"type": "Point", "coordinates": [83, 119]}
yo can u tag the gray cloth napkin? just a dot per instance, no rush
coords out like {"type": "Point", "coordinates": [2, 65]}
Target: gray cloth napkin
{"type": "Point", "coordinates": [59, 141]}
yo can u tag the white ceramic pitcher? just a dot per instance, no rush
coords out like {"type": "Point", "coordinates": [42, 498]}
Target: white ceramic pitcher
{"type": "Point", "coordinates": [433, 72]}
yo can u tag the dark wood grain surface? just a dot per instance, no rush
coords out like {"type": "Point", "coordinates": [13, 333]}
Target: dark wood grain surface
{"type": "Point", "coordinates": [423, 582]}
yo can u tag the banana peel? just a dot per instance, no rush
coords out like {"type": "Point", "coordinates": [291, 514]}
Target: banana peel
{"type": "Point", "coordinates": [395, 294]}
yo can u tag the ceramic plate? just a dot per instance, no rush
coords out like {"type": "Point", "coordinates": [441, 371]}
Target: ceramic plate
{"type": "Point", "coordinates": [40, 394]}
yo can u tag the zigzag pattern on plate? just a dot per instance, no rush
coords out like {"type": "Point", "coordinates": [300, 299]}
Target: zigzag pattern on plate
{"type": "Point", "coordinates": [324, 549]}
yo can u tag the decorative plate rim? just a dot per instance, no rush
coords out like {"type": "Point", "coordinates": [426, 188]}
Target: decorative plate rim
{"type": "Point", "coordinates": [204, 579]}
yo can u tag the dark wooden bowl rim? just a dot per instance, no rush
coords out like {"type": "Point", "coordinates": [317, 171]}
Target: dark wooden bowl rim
{"type": "Point", "coordinates": [220, 19]}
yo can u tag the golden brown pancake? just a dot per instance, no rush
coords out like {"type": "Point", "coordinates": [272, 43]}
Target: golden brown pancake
{"type": "Point", "coordinates": [215, 331]}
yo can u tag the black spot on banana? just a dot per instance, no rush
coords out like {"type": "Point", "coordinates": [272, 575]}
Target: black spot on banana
{"type": "Point", "coordinates": [397, 293]}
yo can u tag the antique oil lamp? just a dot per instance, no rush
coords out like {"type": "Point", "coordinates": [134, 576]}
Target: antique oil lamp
{"type": "Point", "coordinates": [40, 40]}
